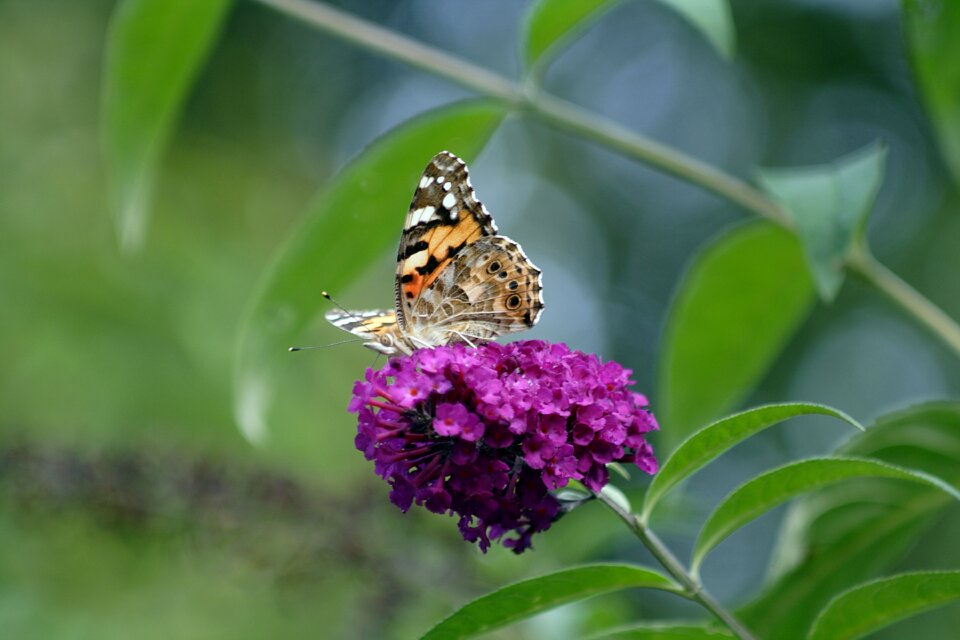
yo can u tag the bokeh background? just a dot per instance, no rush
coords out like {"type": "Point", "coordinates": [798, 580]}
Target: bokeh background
{"type": "Point", "coordinates": [130, 503]}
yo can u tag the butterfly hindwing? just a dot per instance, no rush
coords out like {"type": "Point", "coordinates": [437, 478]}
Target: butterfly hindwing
{"type": "Point", "coordinates": [444, 218]}
{"type": "Point", "coordinates": [491, 288]}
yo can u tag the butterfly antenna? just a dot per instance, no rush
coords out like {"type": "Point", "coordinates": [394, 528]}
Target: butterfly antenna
{"type": "Point", "coordinates": [324, 346]}
{"type": "Point", "coordinates": [340, 306]}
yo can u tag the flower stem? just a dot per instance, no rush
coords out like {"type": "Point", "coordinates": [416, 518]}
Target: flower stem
{"type": "Point", "coordinates": [694, 590]}
{"type": "Point", "coordinates": [567, 116]}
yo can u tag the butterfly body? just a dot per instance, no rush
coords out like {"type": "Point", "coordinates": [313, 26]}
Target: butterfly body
{"type": "Point", "coordinates": [457, 280]}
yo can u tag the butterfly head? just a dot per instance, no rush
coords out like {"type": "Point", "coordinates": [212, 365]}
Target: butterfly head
{"type": "Point", "coordinates": [385, 343]}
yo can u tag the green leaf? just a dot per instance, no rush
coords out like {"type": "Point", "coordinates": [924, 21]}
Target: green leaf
{"type": "Point", "coordinates": [619, 469]}
{"type": "Point", "coordinates": [663, 631]}
{"type": "Point", "coordinates": [768, 490]}
{"type": "Point", "coordinates": [714, 20]}
{"type": "Point", "coordinates": [550, 25]}
{"type": "Point", "coordinates": [850, 532]}
{"type": "Point", "coordinates": [931, 29]}
{"type": "Point", "coordinates": [878, 604]}
{"type": "Point", "coordinates": [354, 220]}
{"type": "Point", "coordinates": [155, 50]}
{"type": "Point", "coordinates": [616, 496]}
{"type": "Point", "coordinates": [530, 597]}
{"type": "Point", "coordinates": [742, 298]}
{"type": "Point", "coordinates": [711, 441]}
{"type": "Point", "coordinates": [829, 204]}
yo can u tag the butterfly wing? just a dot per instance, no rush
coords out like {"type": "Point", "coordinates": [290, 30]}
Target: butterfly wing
{"type": "Point", "coordinates": [366, 324]}
{"type": "Point", "coordinates": [491, 288]}
{"type": "Point", "coordinates": [444, 219]}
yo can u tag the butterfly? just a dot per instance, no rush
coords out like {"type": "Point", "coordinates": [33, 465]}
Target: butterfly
{"type": "Point", "coordinates": [457, 280]}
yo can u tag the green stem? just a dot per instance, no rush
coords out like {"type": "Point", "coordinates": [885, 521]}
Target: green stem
{"type": "Point", "coordinates": [567, 116]}
{"type": "Point", "coordinates": [555, 111]}
{"type": "Point", "coordinates": [694, 590]}
{"type": "Point", "coordinates": [862, 262]}
{"type": "Point", "coordinates": [396, 46]}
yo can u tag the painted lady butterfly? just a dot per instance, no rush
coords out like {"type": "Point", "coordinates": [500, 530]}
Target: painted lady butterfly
{"type": "Point", "coordinates": [457, 280]}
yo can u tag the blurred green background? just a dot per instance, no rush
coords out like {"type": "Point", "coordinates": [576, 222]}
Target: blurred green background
{"type": "Point", "coordinates": [131, 505]}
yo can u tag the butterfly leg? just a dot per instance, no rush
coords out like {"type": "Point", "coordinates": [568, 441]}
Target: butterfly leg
{"type": "Point", "coordinates": [422, 343]}
{"type": "Point", "coordinates": [466, 339]}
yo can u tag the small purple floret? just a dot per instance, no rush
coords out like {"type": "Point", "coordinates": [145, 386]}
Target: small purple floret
{"type": "Point", "coordinates": [487, 433]}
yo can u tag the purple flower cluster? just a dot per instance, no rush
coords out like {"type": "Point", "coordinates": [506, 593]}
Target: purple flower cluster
{"type": "Point", "coordinates": [486, 433]}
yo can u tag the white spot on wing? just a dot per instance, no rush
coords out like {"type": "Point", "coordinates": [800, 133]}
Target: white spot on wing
{"type": "Point", "coordinates": [449, 201]}
{"type": "Point", "coordinates": [423, 214]}
{"type": "Point", "coordinates": [424, 181]}
{"type": "Point", "coordinates": [440, 179]}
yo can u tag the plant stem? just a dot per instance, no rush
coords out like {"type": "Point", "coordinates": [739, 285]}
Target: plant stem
{"type": "Point", "coordinates": [694, 590]}
{"type": "Point", "coordinates": [555, 111]}
{"type": "Point", "coordinates": [396, 46]}
{"type": "Point", "coordinates": [567, 116]}
{"type": "Point", "coordinates": [862, 262]}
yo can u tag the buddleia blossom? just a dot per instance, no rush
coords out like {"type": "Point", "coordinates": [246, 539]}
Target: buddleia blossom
{"type": "Point", "coordinates": [487, 433]}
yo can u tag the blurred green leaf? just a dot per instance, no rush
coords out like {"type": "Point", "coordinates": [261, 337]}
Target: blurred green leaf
{"type": "Point", "coordinates": [573, 496]}
{"type": "Point", "coordinates": [616, 496]}
{"type": "Point", "coordinates": [711, 441]}
{"type": "Point", "coordinates": [847, 533]}
{"type": "Point", "coordinates": [931, 28]}
{"type": "Point", "coordinates": [664, 631]}
{"type": "Point", "coordinates": [155, 50]}
{"type": "Point", "coordinates": [714, 20]}
{"type": "Point", "coordinates": [529, 597]}
{"type": "Point", "coordinates": [742, 298]}
{"type": "Point", "coordinates": [878, 604]}
{"type": "Point", "coordinates": [350, 223]}
{"type": "Point", "coordinates": [768, 490]}
{"type": "Point", "coordinates": [552, 24]}
{"type": "Point", "coordinates": [829, 204]}
{"type": "Point", "coordinates": [619, 469]}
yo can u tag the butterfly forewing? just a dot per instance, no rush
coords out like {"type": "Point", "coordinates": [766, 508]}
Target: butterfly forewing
{"type": "Point", "coordinates": [444, 218]}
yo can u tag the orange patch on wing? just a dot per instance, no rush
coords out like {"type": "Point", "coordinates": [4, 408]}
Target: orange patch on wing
{"type": "Point", "coordinates": [380, 324]}
{"type": "Point", "coordinates": [443, 239]}
{"type": "Point", "coordinates": [439, 242]}
{"type": "Point", "coordinates": [412, 288]}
